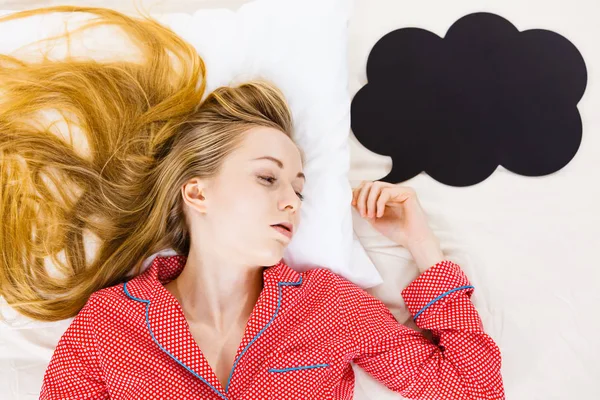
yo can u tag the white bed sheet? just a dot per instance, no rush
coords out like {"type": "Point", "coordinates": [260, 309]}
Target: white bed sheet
{"type": "Point", "coordinates": [528, 244]}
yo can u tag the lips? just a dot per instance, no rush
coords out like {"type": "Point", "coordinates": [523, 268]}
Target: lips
{"type": "Point", "coordinates": [286, 225]}
{"type": "Point", "coordinates": [284, 228]}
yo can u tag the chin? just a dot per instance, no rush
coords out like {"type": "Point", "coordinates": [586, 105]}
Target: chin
{"type": "Point", "coordinates": [275, 255]}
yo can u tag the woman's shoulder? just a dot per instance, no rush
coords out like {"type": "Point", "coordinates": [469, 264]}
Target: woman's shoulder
{"type": "Point", "coordinates": [110, 301]}
{"type": "Point", "coordinates": [140, 285]}
{"type": "Point", "coordinates": [114, 293]}
{"type": "Point", "coordinates": [329, 278]}
{"type": "Point", "coordinates": [349, 293]}
{"type": "Point", "coordinates": [320, 277]}
{"type": "Point", "coordinates": [333, 283]}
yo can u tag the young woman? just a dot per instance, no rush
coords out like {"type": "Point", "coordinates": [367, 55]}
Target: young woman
{"type": "Point", "coordinates": [220, 181]}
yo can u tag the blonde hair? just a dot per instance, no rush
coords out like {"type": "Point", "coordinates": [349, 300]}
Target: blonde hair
{"type": "Point", "coordinates": [148, 132]}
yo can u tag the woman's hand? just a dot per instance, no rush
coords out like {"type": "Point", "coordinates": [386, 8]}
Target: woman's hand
{"type": "Point", "coordinates": [395, 212]}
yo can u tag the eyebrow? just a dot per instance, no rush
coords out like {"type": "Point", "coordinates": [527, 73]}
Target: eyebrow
{"type": "Point", "coordinates": [278, 162]}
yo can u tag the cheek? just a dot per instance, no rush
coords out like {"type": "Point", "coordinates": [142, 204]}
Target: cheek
{"type": "Point", "coordinates": [252, 200]}
{"type": "Point", "coordinates": [245, 205]}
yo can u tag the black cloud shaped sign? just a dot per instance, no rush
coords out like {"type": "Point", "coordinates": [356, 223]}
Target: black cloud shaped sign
{"type": "Point", "coordinates": [485, 95]}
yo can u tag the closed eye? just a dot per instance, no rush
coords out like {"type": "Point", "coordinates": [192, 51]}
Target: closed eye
{"type": "Point", "coordinates": [272, 179]}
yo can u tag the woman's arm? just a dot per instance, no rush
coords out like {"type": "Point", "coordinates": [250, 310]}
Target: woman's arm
{"type": "Point", "coordinates": [462, 362]}
{"type": "Point", "coordinates": [74, 371]}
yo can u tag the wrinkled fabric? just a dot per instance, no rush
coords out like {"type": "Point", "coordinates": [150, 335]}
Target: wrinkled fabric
{"type": "Point", "coordinates": [132, 341]}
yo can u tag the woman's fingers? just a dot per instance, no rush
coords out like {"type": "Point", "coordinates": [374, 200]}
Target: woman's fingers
{"type": "Point", "coordinates": [382, 200]}
{"type": "Point", "coordinates": [355, 193]}
{"type": "Point", "coordinates": [362, 197]}
{"type": "Point", "coordinates": [371, 198]}
{"type": "Point", "coordinates": [374, 193]}
{"type": "Point", "coordinates": [355, 196]}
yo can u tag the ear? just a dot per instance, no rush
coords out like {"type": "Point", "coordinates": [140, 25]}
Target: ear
{"type": "Point", "coordinates": [193, 192]}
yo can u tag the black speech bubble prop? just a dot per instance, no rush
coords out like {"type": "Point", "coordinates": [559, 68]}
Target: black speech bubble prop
{"type": "Point", "coordinates": [484, 95]}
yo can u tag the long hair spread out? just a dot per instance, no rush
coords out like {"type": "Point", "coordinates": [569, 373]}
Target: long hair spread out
{"type": "Point", "coordinates": [147, 131]}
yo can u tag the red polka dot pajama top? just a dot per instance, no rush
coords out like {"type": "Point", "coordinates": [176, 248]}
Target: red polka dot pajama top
{"type": "Point", "coordinates": [132, 341]}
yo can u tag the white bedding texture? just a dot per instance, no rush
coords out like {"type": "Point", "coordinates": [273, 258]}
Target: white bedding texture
{"type": "Point", "coordinates": [527, 244]}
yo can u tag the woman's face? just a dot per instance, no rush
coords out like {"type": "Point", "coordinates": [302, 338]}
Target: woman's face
{"type": "Point", "coordinates": [235, 211]}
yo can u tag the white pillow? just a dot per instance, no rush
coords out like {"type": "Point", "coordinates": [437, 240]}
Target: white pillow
{"type": "Point", "coordinates": [302, 47]}
{"type": "Point", "coordinates": [299, 45]}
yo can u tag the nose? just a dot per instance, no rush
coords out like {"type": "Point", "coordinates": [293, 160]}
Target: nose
{"type": "Point", "coordinates": [291, 201]}
{"type": "Point", "coordinates": [291, 206]}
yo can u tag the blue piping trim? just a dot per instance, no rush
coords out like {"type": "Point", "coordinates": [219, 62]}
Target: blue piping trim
{"type": "Point", "coordinates": [147, 302]}
{"type": "Point", "coordinates": [439, 297]}
{"type": "Point", "coordinates": [165, 350]}
{"type": "Point", "coordinates": [296, 368]}
{"type": "Point", "coordinates": [279, 285]}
